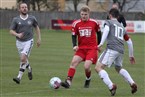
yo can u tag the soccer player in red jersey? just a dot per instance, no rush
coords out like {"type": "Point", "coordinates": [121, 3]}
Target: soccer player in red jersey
{"type": "Point", "coordinates": [85, 43]}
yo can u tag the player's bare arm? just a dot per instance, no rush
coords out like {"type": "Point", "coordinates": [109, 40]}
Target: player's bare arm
{"type": "Point", "coordinates": [38, 36]}
{"type": "Point", "coordinates": [19, 35]}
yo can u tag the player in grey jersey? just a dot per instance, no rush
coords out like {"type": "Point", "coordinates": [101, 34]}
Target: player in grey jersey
{"type": "Point", "coordinates": [22, 28]}
{"type": "Point", "coordinates": [115, 35]}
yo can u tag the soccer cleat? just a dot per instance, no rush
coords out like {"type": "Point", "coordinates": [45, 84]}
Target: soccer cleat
{"type": "Point", "coordinates": [87, 83]}
{"type": "Point", "coordinates": [65, 84]}
{"type": "Point", "coordinates": [133, 88]}
{"type": "Point", "coordinates": [113, 90]}
{"type": "Point", "coordinates": [30, 76]}
{"type": "Point", "coordinates": [17, 80]}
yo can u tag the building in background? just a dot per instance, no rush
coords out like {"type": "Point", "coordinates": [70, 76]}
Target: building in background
{"type": "Point", "coordinates": [7, 4]}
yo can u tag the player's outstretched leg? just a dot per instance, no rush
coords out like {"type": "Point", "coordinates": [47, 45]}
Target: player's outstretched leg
{"type": "Point", "coordinates": [129, 79]}
{"type": "Point", "coordinates": [105, 77]}
{"type": "Point", "coordinates": [67, 82]}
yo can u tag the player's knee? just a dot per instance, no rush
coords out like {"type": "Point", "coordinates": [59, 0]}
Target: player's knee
{"type": "Point", "coordinates": [87, 67]}
{"type": "Point", "coordinates": [74, 64]}
{"type": "Point", "coordinates": [99, 67]}
{"type": "Point", "coordinates": [24, 59]}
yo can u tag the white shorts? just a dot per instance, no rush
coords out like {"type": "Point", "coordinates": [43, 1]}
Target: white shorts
{"type": "Point", "coordinates": [24, 47]}
{"type": "Point", "coordinates": [109, 57]}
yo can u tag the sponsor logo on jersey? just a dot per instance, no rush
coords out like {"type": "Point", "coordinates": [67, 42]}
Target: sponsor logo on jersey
{"type": "Point", "coordinates": [29, 22]}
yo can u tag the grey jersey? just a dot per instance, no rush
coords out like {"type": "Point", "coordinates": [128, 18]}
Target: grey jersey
{"type": "Point", "coordinates": [24, 26]}
{"type": "Point", "coordinates": [115, 39]}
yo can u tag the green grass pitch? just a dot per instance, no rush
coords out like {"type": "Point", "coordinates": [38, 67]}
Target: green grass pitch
{"type": "Point", "coordinates": [53, 59]}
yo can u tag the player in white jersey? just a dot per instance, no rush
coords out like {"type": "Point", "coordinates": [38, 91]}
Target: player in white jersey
{"type": "Point", "coordinates": [115, 35]}
{"type": "Point", "coordinates": [22, 28]}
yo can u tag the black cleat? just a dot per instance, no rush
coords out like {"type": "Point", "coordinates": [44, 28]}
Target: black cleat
{"type": "Point", "coordinates": [30, 76]}
{"type": "Point", "coordinates": [65, 84]}
{"type": "Point", "coordinates": [17, 80]}
{"type": "Point", "coordinates": [87, 83]}
{"type": "Point", "coordinates": [113, 90]}
{"type": "Point", "coordinates": [133, 88]}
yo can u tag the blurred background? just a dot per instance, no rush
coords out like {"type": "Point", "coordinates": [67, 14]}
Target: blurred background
{"type": "Point", "coordinates": [48, 10]}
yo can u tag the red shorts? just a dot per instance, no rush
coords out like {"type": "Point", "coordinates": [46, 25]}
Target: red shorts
{"type": "Point", "coordinates": [88, 54]}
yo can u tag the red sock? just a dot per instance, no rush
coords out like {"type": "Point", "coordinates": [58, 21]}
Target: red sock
{"type": "Point", "coordinates": [71, 73]}
{"type": "Point", "coordinates": [88, 73]}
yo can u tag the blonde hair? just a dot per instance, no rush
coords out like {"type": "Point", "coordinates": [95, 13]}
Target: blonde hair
{"type": "Point", "coordinates": [85, 9]}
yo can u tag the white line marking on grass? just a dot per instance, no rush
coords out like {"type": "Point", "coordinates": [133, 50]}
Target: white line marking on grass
{"type": "Point", "coordinates": [39, 91]}
{"type": "Point", "coordinates": [19, 93]}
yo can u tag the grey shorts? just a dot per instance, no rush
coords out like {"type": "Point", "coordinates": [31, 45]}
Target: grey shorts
{"type": "Point", "coordinates": [24, 47]}
{"type": "Point", "coordinates": [109, 57]}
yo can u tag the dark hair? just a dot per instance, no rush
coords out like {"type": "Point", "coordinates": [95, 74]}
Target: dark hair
{"type": "Point", "coordinates": [114, 12]}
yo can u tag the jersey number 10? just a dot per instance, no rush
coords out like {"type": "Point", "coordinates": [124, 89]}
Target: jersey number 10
{"type": "Point", "coordinates": [118, 32]}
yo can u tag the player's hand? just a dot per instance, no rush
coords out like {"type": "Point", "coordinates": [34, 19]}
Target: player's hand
{"type": "Point", "coordinates": [38, 42]}
{"type": "Point", "coordinates": [132, 60]}
{"type": "Point", "coordinates": [99, 48]}
{"type": "Point", "coordinates": [20, 35]}
{"type": "Point", "coordinates": [75, 48]}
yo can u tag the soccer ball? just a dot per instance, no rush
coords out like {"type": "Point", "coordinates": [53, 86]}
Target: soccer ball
{"type": "Point", "coordinates": [55, 82]}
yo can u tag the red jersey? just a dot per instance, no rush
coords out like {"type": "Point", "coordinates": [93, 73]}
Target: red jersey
{"type": "Point", "coordinates": [86, 33]}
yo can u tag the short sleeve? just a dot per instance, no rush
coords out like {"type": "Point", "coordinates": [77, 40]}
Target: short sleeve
{"type": "Point", "coordinates": [74, 29]}
{"type": "Point", "coordinates": [97, 27]}
{"type": "Point", "coordinates": [13, 24]}
{"type": "Point", "coordinates": [35, 23]}
{"type": "Point", "coordinates": [106, 23]}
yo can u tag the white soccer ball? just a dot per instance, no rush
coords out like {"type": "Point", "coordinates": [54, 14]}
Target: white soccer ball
{"type": "Point", "coordinates": [55, 82]}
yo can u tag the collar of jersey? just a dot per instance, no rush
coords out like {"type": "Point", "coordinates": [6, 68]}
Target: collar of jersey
{"type": "Point", "coordinates": [113, 19]}
{"type": "Point", "coordinates": [24, 18]}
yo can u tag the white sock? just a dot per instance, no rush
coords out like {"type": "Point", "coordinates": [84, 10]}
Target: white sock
{"type": "Point", "coordinates": [105, 77]}
{"type": "Point", "coordinates": [20, 75]}
{"type": "Point", "coordinates": [126, 76]}
{"type": "Point", "coordinates": [88, 78]}
{"type": "Point", "coordinates": [22, 69]}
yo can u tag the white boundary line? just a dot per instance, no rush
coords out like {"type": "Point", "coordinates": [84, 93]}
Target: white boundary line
{"type": "Point", "coordinates": [38, 91]}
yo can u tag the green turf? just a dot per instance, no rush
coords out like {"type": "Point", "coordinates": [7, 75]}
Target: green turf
{"type": "Point", "coordinates": [53, 59]}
